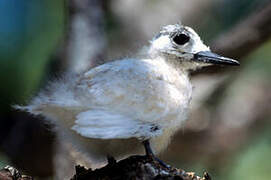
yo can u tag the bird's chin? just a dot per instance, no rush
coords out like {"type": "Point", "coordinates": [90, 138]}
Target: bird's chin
{"type": "Point", "coordinates": [193, 66]}
{"type": "Point", "coordinates": [184, 61]}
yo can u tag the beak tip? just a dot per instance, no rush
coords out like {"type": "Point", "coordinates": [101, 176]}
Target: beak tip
{"type": "Point", "coordinates": [235, 63]}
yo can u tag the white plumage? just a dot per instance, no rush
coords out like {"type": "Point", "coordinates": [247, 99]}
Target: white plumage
{"type": "Point", "coordinates": [110, 109]}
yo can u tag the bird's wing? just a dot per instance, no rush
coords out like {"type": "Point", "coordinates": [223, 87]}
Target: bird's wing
{"type": "Point", "coordinates": [108, 125]}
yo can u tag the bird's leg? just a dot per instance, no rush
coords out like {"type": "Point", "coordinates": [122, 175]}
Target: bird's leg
{"type": "Point", "coordinates": [150, 154]}
{"type": "Point", "coordinates": [148, 149]}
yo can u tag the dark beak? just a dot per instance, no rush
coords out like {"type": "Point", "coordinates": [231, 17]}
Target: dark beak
{"type": "Point", "coordinates": [212, 58]}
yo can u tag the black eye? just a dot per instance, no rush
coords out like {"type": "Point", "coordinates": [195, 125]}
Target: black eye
{"type": "Point", "coordinates": [181, 39]}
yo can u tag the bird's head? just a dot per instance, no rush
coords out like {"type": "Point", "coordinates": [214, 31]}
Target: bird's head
{"type": "Point", "coordinates": [182, 45]}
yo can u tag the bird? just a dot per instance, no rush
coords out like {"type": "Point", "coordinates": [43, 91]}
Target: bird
{"type": "Point", "coordinates": [131, 105]}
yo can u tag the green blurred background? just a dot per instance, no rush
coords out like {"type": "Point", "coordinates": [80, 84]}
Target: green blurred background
{"type": "Point", "coordinates": [228, 135]}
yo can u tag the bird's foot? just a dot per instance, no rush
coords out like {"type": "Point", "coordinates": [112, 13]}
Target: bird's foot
{"type": "Point", "coordinates": [150, 154]}
{"type": "Point", "coordinates": [162, 163]}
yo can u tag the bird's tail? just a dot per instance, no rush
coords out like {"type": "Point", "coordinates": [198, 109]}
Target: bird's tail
{"type": "Point", "coordinates": [32, 109]}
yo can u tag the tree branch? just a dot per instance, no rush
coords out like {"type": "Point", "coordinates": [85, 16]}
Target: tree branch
{"type": "Point", "coordinates": [135, 167]}
{"type": "Point", "coordinates": [10, 173]}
